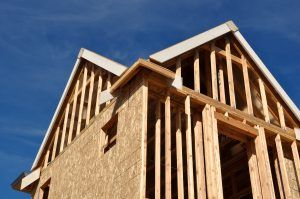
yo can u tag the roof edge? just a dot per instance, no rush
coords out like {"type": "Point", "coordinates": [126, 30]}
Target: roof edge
{"type": "Point", "coordinates": [101, 61]}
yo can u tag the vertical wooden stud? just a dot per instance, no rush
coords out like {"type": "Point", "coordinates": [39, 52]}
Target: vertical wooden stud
{"type": "Point", "coordinates": [62, 141]}
{"type": "Point", "coordinates": [247, 86]}
{"type": "Point", "coordinates": [73, 112]}
{"type": "Point", "coordinates": [230, 74]}
{"type": "Point", "coordinates": [213, 65]}
{"type": "Point", "coordinates": [296, 160]}
{"type": "Point", "coordinates": [264, 164]}
{"type": "Point", "coordinates": [88, 111]}
{"type": "Point", "coordinates": [179, 156]}
{"type": "Point", "coordinates": [144, 138]}
{"type": "Point", "coordinates": [99, 89]}
{"type": "Point", "coordinates": [264, 100]}
{"type": "Point", "coordinates": [81, 101]}
{"type": "Point", "coordinates": [46, 159]}
{"type": "Point", "coordinates": [199, 156]}
{"type": "Point", "coordinates": [168, 146]}
{"type": "Point", "coordinates": [253, 170]}
{"type": "Point", "coordinates": [281, 160]}
{"type": "Point", "coordinates": [157, 149]}
{"type": "Point", "coordinates": [278, 174]}
{"type": "Point", "coordinates": [221, 83]}
{"type": "Point", "coordinates": [196, 71]}
{"type": "Point", "coordinates": [55, 143]}
{"type": "Point", "coordinates": [281, 115]}
{"type": "Point", "coordinates": [189, 152]}
{"type": "Point", "coordinates": [109, 79]}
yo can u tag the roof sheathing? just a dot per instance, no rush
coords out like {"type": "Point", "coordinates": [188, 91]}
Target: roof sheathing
{"type": "Point", "coordinates": [103, 62]}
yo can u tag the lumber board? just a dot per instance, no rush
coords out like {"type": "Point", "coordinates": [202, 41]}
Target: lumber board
{"type": "Point", "coordinates": [264, 100]}
{"type": "Point", "coordinates": [281, 115]}
{"type": "Point", "coordinates": [264, 164]}
{"type": "Point", "coordinates": [199, 157]}
{"type": "Point", "coordinates": [230, 74]}
{"type": "Point", "coordinates": [283, 170]}
{"type": "Point", "coordinates": [63, 135]}
{"type": "Point", "coordinates": [144, 138]}
{"type": "Point", "coordinates": [247, 86]}
{"type": "Point", "coordinates": [73, 112]}
{"type": "Point", "coordinates": [99, 89]}
{"type": "Point", "coordinates": [278, 174]}
{"type": "Point", "coordinates": [253, 170]}
{"type": "Point", "coordinates": [46, 159]}
{"type": "Point", "coordinates": [81, 101]}
{"type": "Point", "coordinates": [296, 160]}
{"type": "Point", "coordinates": [90, 95]}
{"type": "Point", "coordinates": [221, 83]}
{"type": "Point", "coordinates": [157, 150]}
{"type": "Point", "coordinates": [214, 79]}
{"type": "Point", "coordinates": [189, 150]}
{"type": "Point", "coordinates": [168, 147]}
{"type": "Point", "coordinates": [55, 143]}
{"type": "Point", "coordinates": [180, 184]}
{"type": "Point", "coordinates": [196, 71]}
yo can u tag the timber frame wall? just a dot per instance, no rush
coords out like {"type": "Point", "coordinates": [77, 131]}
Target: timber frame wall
{"type": "Point", "coordinates": [185, 130]}
{"type": "Point", "coordinates": [82, 105]}
{"type": "Point", "coordinates": [196, 115]}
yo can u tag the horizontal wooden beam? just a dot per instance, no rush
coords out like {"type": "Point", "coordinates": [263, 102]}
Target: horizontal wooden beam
{"type": "Point", "coordinates": [239, 126]}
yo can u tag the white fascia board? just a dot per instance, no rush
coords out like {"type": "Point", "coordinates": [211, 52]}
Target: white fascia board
{"type": "Point", "coordinates": [77, 63]}
{"type": "Point", "coordinates": [30, 178]}
{"type": "Point", "coordinates": [267, 74]}
{"type": "Point", "coordinates": [100, 61]}
{"type": "Point", "coordinates": [193, 42]}
{"type": "Point", "coordinates": [103, 62]}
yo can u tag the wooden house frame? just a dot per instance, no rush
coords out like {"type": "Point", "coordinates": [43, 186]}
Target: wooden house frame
{"type": "Point", "coordinates": [203, 118]}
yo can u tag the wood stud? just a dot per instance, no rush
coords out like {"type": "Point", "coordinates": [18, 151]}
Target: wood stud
{"type": "Point", "coordinates": [168, 146]}
{"type": "Point", "coordinates": [189, 151]}
{"type": "Point", "coordinates": [157, 150]}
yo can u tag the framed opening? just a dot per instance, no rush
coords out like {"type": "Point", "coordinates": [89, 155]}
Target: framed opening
{"type": "Point", "coordinates": [110, 129]}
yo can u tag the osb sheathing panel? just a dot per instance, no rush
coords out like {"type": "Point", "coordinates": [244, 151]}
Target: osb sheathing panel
{"type": "Point", "coordinates": [290, 167]}
{"type": "Point", "coordinates": [83, 171]}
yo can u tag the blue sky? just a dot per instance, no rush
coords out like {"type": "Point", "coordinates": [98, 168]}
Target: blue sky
{"type": "Point", "coordinates": [39, 42]}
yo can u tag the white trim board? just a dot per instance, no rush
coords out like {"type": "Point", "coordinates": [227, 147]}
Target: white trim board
{"type": "Point", "coordinates": [96, 59]}
{"type": "Point", "coordinates": [193, 42]}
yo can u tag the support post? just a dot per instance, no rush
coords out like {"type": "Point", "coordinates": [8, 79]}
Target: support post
{"type": "Point", "coordinates": [212, 155]}
{"type": "Point", "coordinates": [264, 100]}
{"type": "Point", "coordinates": [46, 159]}
{"type": "Point", "coordinates": [221, 82]}
{"type": "Point", "coordinates": [99, 89]}
{"type": "Point", "coordinates": [253, 170]}
{"type": "Point", "coordinates": [88, 111]}
{"type": "Point", "coordinates": [230, 74]}
{"type": "Point", "coordinates": [63, 135]}
{"type": "Point", "coordinates": [179, 156]}
{"type": "Point", "coordinates": [247, 86]}
{"type": "Point", "coordinates": [157, 149]}
{"type": "Point", "coordinates": [296, 160]}
{"type": "Point", "coordinates": [264, 164]}
{"type": "Point", "coordinates": [189, 151]}
{"type": "Point", "coordinates": [199, 156]}
{"type": "Point", "coordinates": [55, 143]}
{"type": "Point", "coordinates": [281, 160]}
{"type": "Point", "coordinates": [108, 85]}
{"type": "Point", "coordinates": [81, 101]}
{"type": "Point", "coordinates": [281, 115]}
{"type": "Point", "coordinates": [278, 174]}
{"type": "Point", "coordinates": [168, 146]}
{"type": "Point", "coordinates": [214, 79]}
{"type": "Point", "coordinates": [73, 112]}
{"type": "Point", "coordinates": [196, 71]}
{"type": "Point", "coordinates": [144, 138]}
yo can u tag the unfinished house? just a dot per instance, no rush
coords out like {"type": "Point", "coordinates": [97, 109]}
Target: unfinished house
{"type": "Point", "coordinates": [203, 118]}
